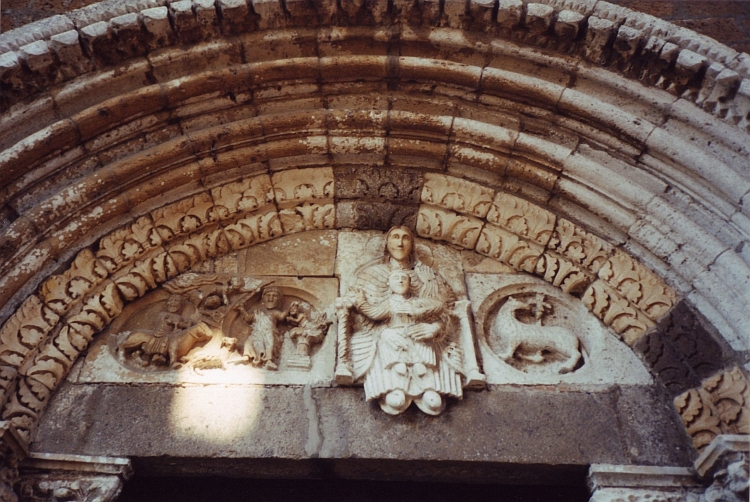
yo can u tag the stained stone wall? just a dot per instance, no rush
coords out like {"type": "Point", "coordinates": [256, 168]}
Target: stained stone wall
{"type": "Point", "coordinates": [727, 21]}
{"type": "Point", "coordinates": [226, 419]}
{"type": "Point", "coordinates": [581, 153]}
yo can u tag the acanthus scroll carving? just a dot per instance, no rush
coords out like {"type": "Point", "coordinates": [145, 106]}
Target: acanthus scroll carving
{"type": "Point", "coordinates": [720, 405]}
{"type": "Point", "coordinates": [403, 334]}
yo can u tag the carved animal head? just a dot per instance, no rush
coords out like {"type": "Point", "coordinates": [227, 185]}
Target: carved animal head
{"type": "Point", "coordinates": [229, 343]}
{"type": "Point", "coordinates": [513, 304]}
{"type": "Point", "coordinates": [200, 335]}
{"type": "Point", "coordinates": [532, 310]}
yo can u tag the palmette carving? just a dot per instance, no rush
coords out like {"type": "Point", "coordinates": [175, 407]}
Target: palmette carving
{"type": "Point", "coordinates": [638, 285]}
{"type": "Point", "coordinates": [98, 311]}
{"type": "Point", "coordinates": [308, 217]}
{"type": "Point", "coordinates": [580, 247]}
{"type": "Point", "coordinates": [399, 333]}
{"type": "Point", "coordinates": [184, 216]}
{"type": "Point", "coordinates": [8, 375]}
{"type": "Point", "coordinates": [247, 194]}
{"type": "Point", "coordinates": [25, 330]}
{"type": "Point", "coordinates": [127, 244]}
{"type": "Point", "coordinates": [53, 362]}
{"type": "Point", "coordinates": [700, 421]}
{"type": "Point", "coordinates": [508, 248]}
{"type": "Point", "coordinates": [563, 273]}
{"type": "Point", "coordinates": [61, 292]}
{"type": "Point", "coordinates": [198, 248]}
{"type": "Point", "coordinates": [302, 185]}
{"type": "Point", "coordinates": [439, 224]}
{"type": "Point", "coordinates": [457, 195]}
{"type": "Point", "coordinates": [522, 218]}
{"type": "Point", "coordinates": [253, 228]}
{"type": "Point", "coordinates": [616, 312]}
{"type": "Point", "coordinates": [729, 394]}
{"type": "Point", "coordinates": [146, 275]}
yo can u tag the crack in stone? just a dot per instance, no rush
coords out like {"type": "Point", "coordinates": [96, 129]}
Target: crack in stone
{"type": "Point", "coordinates": [314, 433]}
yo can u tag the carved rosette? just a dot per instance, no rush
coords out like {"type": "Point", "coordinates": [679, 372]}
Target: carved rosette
{"type": "Point", "coordinates": [457, 195]}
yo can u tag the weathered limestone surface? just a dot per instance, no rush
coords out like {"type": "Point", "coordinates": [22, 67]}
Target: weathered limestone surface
{"type": "Point", "coordinates": [596, 149]}
{"type": "Point", "coordinates": [561, 428]}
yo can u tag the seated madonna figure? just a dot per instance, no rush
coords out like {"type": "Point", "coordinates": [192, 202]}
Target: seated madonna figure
{"type": "Point", "coordinates": [402, 343]}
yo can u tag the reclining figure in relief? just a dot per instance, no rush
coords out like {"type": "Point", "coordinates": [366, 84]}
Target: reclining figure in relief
{"type": "Point", "coordinates": [405, 339]}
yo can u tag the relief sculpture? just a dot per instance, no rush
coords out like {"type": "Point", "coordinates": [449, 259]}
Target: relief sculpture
{"type": "Point", "coordinates": [532, 333]}
{"type": "Point", "coordinates": [261, 344]}
{"type": "Point", "coordinates": [170, 342]}
{"type": "Point", "coordinates": [529, 341]}
{"type": "Point", "coordinates": [400, 333]}
{"type": "Point", "coordinates": [219, 321]}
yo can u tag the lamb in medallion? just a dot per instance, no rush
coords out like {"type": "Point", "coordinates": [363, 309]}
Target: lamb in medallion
{"type": "Point", "coordinates": [532, 342]}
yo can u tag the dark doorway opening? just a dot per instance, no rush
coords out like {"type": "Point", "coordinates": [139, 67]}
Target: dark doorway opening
{"type": "Point", "coordinates": [205, 489]}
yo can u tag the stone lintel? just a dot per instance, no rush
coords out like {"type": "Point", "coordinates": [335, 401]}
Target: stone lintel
{"type": "Point", "coordinates": [720, 446]}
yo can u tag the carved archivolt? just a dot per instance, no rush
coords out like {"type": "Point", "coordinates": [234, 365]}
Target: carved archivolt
{"type": "Point", "coordinates": [190, 155]}
{"type": "Point", "coordinates": [52, 329]}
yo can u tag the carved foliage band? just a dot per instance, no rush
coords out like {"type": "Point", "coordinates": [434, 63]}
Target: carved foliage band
{"type": "Point", "coordinates": [127, 263]}
{"type": "Point", "coordinates": [721, 405]}
{"type": "Point", "coordinates": [140, 257]}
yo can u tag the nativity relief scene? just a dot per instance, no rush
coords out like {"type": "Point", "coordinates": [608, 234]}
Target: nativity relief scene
{"type": "Point", "coordinates": [217, 321]}
{"type": "Point", "coordinates": [396, 315]}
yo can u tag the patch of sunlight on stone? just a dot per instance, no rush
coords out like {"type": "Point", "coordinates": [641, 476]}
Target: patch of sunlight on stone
{"type": "Point", "coordinates": [218, 412]}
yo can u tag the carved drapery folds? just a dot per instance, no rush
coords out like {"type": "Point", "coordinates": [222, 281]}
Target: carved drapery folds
{"type": "Point", "coordinates": [131, 262]}
{"type": "Point", "coordinates": [402, 332]}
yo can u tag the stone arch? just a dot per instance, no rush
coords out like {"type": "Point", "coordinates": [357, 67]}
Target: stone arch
{"type": "Point", "coordinates": [630, 130]}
